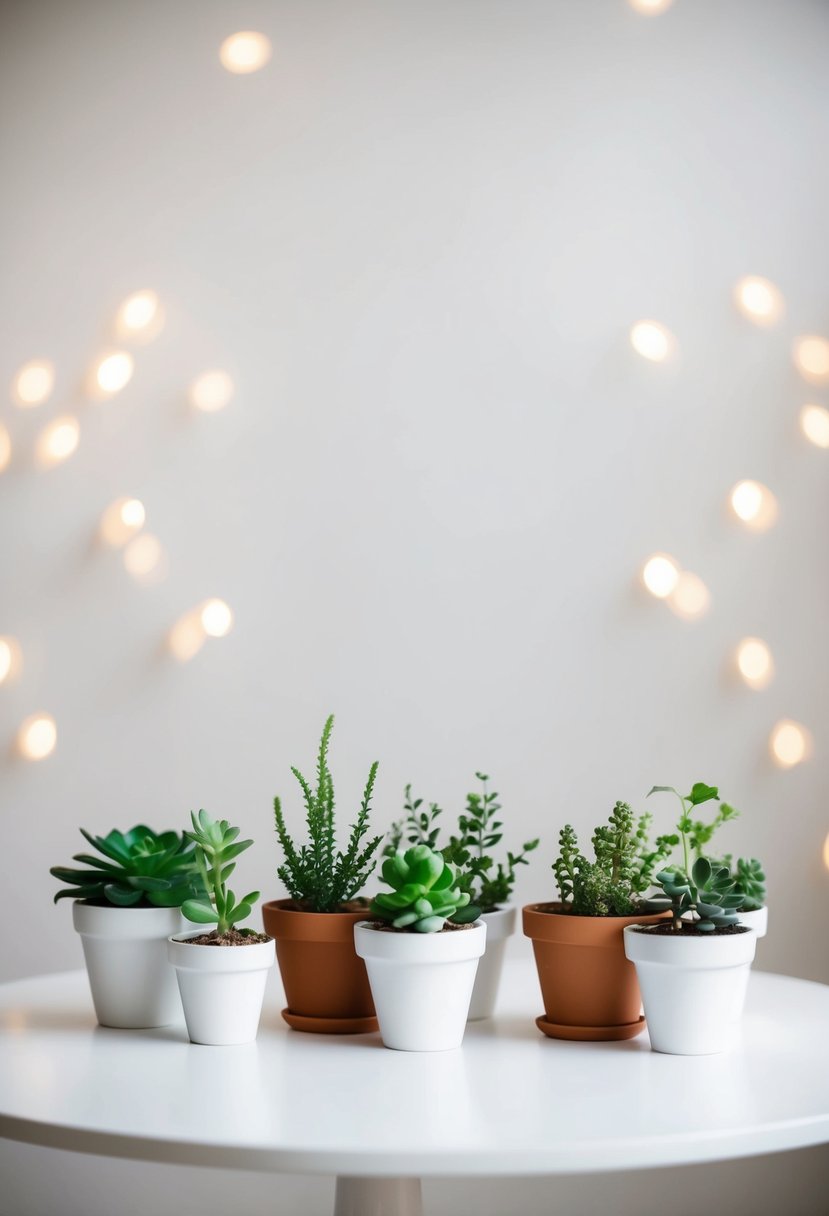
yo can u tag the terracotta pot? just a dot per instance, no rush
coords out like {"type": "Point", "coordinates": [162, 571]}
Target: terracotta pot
{"type": "Point", "coordinates": [588, 986]}
{"type": "Point", "coordinates": [325, 983]}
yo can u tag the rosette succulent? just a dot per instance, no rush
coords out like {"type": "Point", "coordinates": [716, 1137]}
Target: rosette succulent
{"type": "Point", "coordinates": [138, 867]}
{"type": "Point", "coordinates": [709, 891]}
{"type": "Point", "coordinates": [425, 891]}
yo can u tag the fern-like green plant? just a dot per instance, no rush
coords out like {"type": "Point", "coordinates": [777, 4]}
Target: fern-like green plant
{"type": "Point", "coordinates": [318, 876]}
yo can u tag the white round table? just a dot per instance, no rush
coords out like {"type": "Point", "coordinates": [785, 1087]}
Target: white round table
{"type": "Point", "coordinates": [510, 1102]}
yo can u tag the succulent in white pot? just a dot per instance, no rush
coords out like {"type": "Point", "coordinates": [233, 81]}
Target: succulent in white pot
{"type": "Point", "coordinates": [222, 971]}
{"type": "Point", "coordinates": [127, 903]}
{"type": "Point", "coordinates": [488, 883]}
{"type": "Point", "coordinates": [421, 965]}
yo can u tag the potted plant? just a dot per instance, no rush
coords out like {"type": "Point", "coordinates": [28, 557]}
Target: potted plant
{"type": "Point", "coordinates": [693, 968]}
{"type": "Point", "coordinates": [421, 963]}
{"type": "Point", "coordinates": [488, 884]}
{"type": "Point", "coordinates": [325, 983]}
{"type": "Point", "coordinates": [588, 987]}
{"type": "Point", "coordinates": [221, 972]}
{"type": "Point", "coordinates": [127, 902]}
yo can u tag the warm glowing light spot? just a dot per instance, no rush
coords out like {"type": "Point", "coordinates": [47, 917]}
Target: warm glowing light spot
{"type": "Point", "coordinates": [660, 574]}
{"type": "Point", "coordinates": [754, 504]}
{"type": "Point", "coordinates": [216, 618]}
{"type": "Point", "coordinates": [247, 51]}
{"type": "Point", "coordinates": [814, 423]}
{"type": "Point", "coordinates": [144, 558]}
{"type": "Point", "coordinates": [790, 743]}
{"type": "Point", "coordinates": [651, 8]}
{"type": "Point", "coordinates": [652, 340]}
{"type": "Point", "coordinates": [211, 391]}
{"type": "Point", "coordinates": [759, 300]}
{"type": "Point", "coordinates": [140, 318]}
{"type": "Point", "coordinates": [57, 441]}
{"type": "Point", "coordinates": [5, 448]}
{"type": "Point", "coordinates": [121, 520]}
{"type": "Point", "coordinates": [811, 358]}
{"type": "Point", "coordinates": [114, 372]}
{"type": "Point", "coordinates": [37, 737]}
{"type": "Point", "coordinates": [11, 659]}
{"type": "Point", "coordinates": [187, 636]}
{"type": "Point", "coordinates": [826, 852]}
{"type": "Point", "coordinates": [755, 663]}
{"type": "Point", "coordinates": [690, 597]}
{"type": "Point", "coordinates": [33, 383]}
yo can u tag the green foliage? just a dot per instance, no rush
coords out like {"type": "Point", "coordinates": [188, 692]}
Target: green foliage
{"type": "Point", "coordinates": [708, 891]}
{"type": "Point", "coordinates": [317, 875]}
{"type": "Point", "coordinates": [749, 880]}
{"type": "Point", "coordinates": [488, 884]}
{"type": "Point", "coordinates": [138, 868]}
{"type": "Point", "coordinates": [425, 891]}
{"type": "Point", "coordinates": [216, 850]}
{"type": "Point", "coordinates": [623, 869]}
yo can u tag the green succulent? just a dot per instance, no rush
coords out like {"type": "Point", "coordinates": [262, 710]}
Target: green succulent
{"type": "Point", "coordinates": [135, 868]}
{"type": "Point", "coordinates": [216, 848]}
{"type": "Point", "coordinates": [709, 891]}
{"type": "Point", "coordinates": [749, 881]}
{"type": "Point", "coordinates": [425, 891]}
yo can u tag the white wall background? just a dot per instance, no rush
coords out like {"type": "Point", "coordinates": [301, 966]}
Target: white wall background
{"type": "Point", "coordinates": [417, 240]}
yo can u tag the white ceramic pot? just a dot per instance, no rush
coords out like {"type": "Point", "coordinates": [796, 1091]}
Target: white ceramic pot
{"type": "Point", "coordinates": [126, 961]}
{"type": "Point", "coordinates": [500, 925]}
{"type": "Point", "coordinates": [693, 988]}
{"type": "Point", "coordinates": [758, 920]}
{"type": "Point", "coordinates": [222, 988]}
{"type": "Point", "coordinates": [421, 983]}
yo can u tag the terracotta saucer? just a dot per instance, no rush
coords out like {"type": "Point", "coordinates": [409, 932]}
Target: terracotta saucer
{"type": "Point", "coordinates": [591, 1034]}
{"type": "Point", "coordinates": [329, 1025]}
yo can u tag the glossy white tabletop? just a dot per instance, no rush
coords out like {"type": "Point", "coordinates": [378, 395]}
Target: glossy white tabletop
{"type": "Point", "coordinates": [509, 1102]}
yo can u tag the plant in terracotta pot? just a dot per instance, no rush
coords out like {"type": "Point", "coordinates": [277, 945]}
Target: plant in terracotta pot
{"type": "Point", "coordinates": [488, 882]}
{"type": "Point", "coordinates": [127, 902]}
{"type": "Point", "coordinates": [693, 968]}
{"type": "Point", "coordinates": [421, 961]}
{"type": "Point", "coordinates": [588, 987]}
{"type": "Point", "coordinates": [325, 983]}
{"type": "Point", "coordinates": [221, 972]}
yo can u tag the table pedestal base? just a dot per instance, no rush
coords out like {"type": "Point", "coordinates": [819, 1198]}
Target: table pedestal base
{"type": "Point", "coordinates": [378, 1197]}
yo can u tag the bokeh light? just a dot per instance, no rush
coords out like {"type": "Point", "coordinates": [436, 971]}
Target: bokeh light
{"type": "Point", "coordinates": [5, 448]}
{"type": "Point", "coordinates": [121, 520]}
{"type": "Point", "coordinates": [187, 636]}
{"type": "Point", "coordinates": [652, 341]}
{"type": "Point", "coordinates": [11, 659]}
{"type": "Point", "coordinates": [33, 383]}
{"type": "Point", "coordinates": [759, 300]}
{"type": "Point", "coordinates": [144, 558]}
{"type": "Point", "coordinates": [790, 743]}
{"type": "Point", "coordinates": [140, 317]}
{"type": "Point", "coordinates": [57, 441]}
{"type": "Point", "coordinates": [244, 52]}
{"type": "Point", "coordinates": [651, 8]}
{"type": "Point", "coordinates": [660, 574]}
{"type": "Point", "coordinates": [216, 618]}
{"type": "Point", "coordinates": [754, 504]}
{"type": "Point", "coordinates": [690, 597]}
{"type": "Point", "coordinates": [814, 423]}
{"type": "Point", "coordinates": [211, 391]}
{"type": "Point", "coordinates": [826, 852]}
{"type": "Point", "coordinates": [811, 358]}
{"type": "Point", "coordinates": [37, 737]}
{"type": "Point", "coordinates": [114, 372]}
{"type": "Point", "coordinates": [755, 663]}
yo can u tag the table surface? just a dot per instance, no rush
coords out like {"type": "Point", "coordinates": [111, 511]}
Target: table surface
{"type": "Point", "coordinates": [509, 1102]}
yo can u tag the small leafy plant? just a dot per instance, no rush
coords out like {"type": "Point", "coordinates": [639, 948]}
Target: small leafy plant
{"type": "Point", "coordinates": [708, 891]}
{"type": "Point", "coordinates": [425, 891]}
{"type": "Point", "coordinates": [216, 847]}
{"type": "Point", "coordinates": [318, 876]}
{"type": "Point", "coordinates": [749, 882]}
{"type": "Point", "coordinates": [489, 885]}
{"type": "Point", "coordinates": [138, 868]}
{"type": "Point", "coordinates": [623, 870]}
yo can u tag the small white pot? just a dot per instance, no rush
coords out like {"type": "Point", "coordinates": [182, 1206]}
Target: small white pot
{"type": "Point", "coordinates": [693, 988]}
{"type": "Point", "coordinates": [758, 920]}
{"type": "Point", "coordinates": [126, 960]}
{"type": "Point", "coordinates": [222, 988]}
{"type": "Point", "coordinates": [500, 925]}
{"type": "Point", "coordinates": [421, 983]}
